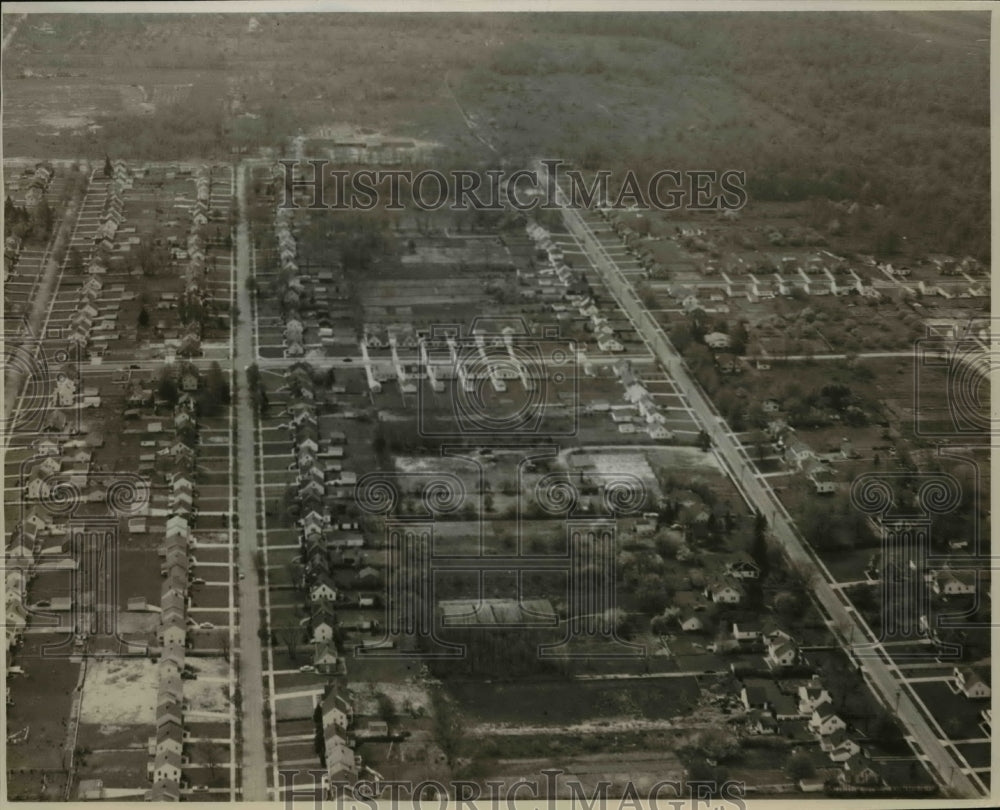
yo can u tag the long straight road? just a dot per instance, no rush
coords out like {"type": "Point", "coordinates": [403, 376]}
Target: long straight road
{"type": "Point", "coordinates": [254, 770]}
{"type": "Point", "coordinates": [869, 654]}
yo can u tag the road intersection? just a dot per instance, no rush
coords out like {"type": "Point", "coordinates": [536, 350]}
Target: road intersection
{"type": "Point", "coordinates": [868, 654]}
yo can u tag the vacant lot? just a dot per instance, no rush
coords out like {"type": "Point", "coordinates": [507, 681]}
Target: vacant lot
{"type": "Point", "coordinates": [120, 691]}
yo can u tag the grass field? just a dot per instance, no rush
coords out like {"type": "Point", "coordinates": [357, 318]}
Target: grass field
{"type": "Point", "coordinates": [956, 714]}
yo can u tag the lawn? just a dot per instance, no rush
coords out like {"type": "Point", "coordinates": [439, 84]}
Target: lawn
{"type": "Point", "coordinates": [106, 736]}
{"type": "Point", "coordinates": [214, 596]}
{"type": "Point", "coordinates": [846, 565]}
{"type": "Point", "coordinates": [956, 714]}
{"type": "Point", "coordinates": [139, 576]}
{"type": "Point", "coordinates": [976, 754]}
{"type": "Point", "coordinates": [41, 702]}
{"type": "Point", "coordinates": [118, 768]}
{"type": "Point", "coordinates": [207, 729]}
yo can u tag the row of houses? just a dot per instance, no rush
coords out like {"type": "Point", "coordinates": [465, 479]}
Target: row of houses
{"type": "Point", "coordinates": [901, 275]}
{"type": "Point", "coordinates": [11, 254]}
{"type": "Point", "coordinates": [768, 709]}
{"type": "Point", "coordinates": [335, 720]}
{"type": "Point", "coordinates": [604, 333]}
{"type": "Point", "coordinates": [57, 477]}
{"type": "Point", "coordinates": [93, 319]}
{"type": "Point", "coordinates": [634, 232]}
{"type": "Point", "coordinates": [38, 184]}
{"type": "Point", "coordinates": [27, 549]}
{"type": "Point", "coordinates": [800, 457]}
{"type": "Point", "coordinates": [20, 562]}
{"type": "Point", "coordinates": [711, 297]}
{"type": "Point", "coordinates": [294, 286]}
{"type": "Point", "coordinates": [382, 336]}
{"type": "Point", "coordinates": [56, 472]}
{"type": "Point", "coordinates": [43, 477]}
{"type": "Point", "coordinates": [650, 418]}
{"type": "Point", "coordinates": [942, 582]}
{"type": "Point", "coordinates": [312, 460]}
{"type": "Point", "coordinates": [318, 467]}
{"type": "Point", "coordinates": [720, 589]}
{"type": "Point", "coordinates": [725, 361]}
{"type": "Point", "coordinates": [973, 682]}
{"type": "Point", "coordinates": [556, 279]}
{"type": "Point", "coordinates": [195, 298]}
{"type": "Point", "coordinates": [298, 294]}
{"type": "Point", "coordinates": [166, 748]}
{"type": "Point", "coordinates": [373, 150]}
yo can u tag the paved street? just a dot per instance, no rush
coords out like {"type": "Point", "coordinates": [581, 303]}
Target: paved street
{"type": "Point", "coordinates": [251, 673]}
{"type": "Point", "coordinates": [875, 665]}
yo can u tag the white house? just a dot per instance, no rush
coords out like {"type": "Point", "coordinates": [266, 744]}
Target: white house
{"type": "Point", "coordinates": [822, 481]}
{"type": "Point", "coordinates": [49, 465]}
{"type": "Point", "coordinates": [743, 568]}
{"type": "Point", "coordinates": [824, 721]}
{"type": "Point", "coordinates": [64, 393]}
{"type": "Point", "coordinates": [971, 683]}
{"type": "Point", "coordinates": [744, 631]}
{"type": "Point", "coordinates": [169, 739]}
{"type": "Point", "coordinates": [322, 624]}
{"type": "Point", "coordinates": [323, 590]}
{"type": "Point", "coordinates": [812, 695]}
{"type": "Point", "coordinates": [838, 746]}
{"type": "Point", "coordinates": [46, 447]}
{"type": "Point", "coordinates": [717, 340]}
{"type": "Point", "coordinates": [173, 633]}
{"type": "Point", "coordinates": [325, 657]}
{"type": "Point", "coordinates": [781, 651]}
{"type": "Point", "coordinates": [167, 767]}
{"type": "Point", "coordinates": [337, 712]}
{"type": "Point", "coordinates": [691, 624]}
{"type": "Point", "coordinates": [725, 593]}
{"type": "Point", "coordinates": [954, 583]}
{"type": "Point", "coordinates": [341, 765]}
{"type": "Point", "coordinates": [38, 486]}
{"type": "Point", "coordinates": [859, 771]}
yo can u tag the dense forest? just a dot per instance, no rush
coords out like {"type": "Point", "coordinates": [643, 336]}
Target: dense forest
{"type": "Point", "coordinates": [890, 109]}
{"type": "Point", "coordinates": [881, 108]}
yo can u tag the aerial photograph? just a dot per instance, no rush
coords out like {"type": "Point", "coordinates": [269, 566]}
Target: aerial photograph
{"type": "Point", "coordinates": [484, 407]}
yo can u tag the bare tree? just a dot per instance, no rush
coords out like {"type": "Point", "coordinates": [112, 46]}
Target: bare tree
{"type": "Point", "coordinates": [386, 708]}
{"type": "Point", "coordinates": [211, 754]}
{"type": "Point", "coordinates": [290, 638]}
